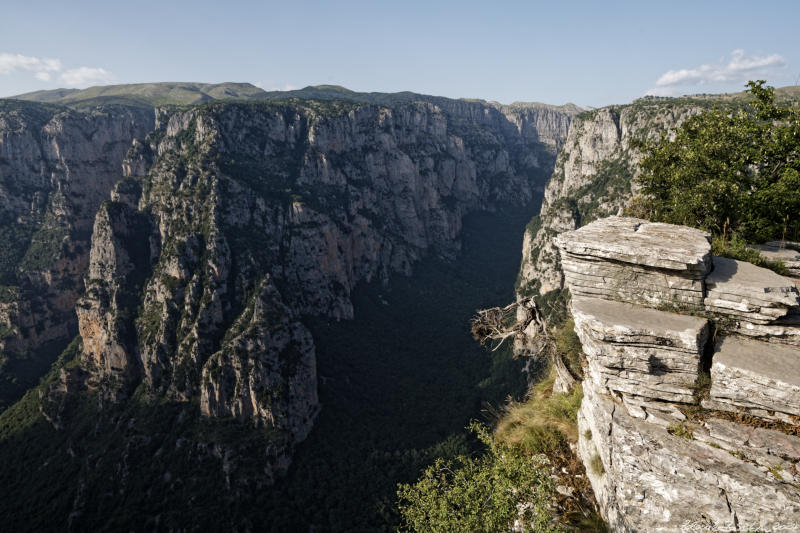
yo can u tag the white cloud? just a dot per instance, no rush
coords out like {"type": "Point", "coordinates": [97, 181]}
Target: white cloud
{"type": "Point", "coordinates": [45, 69]}
{"type": "Point", "coordinates": [86, 76]}
{"type": "Point", "coordinates": [739, 68]}
{"type": "Point", "coordinates": [10, 63]}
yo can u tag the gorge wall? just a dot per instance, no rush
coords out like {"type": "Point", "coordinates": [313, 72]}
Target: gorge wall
{"type": "Point", "coordinates": [56, 167]}
{"type": "Point", "coordinates": [197, 240]}
{"type": "Point", "coordinates": [236, 220]}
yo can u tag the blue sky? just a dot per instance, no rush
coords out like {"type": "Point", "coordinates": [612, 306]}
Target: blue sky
{"type": "Point", "coordinates": [589, 53]}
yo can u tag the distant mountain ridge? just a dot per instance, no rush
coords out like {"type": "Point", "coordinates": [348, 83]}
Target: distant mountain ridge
{"type": "Point", "coordinates": [189, 93]}
{"type": "Point", "coordinates": [147, 94]}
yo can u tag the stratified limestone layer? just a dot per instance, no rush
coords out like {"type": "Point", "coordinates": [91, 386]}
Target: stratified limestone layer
{"type": "Point", "coordinates": [756, 377]}
{"type": "Point", "coordinates": [648, 480]}
{"type": "Point", "coordinates": [786, 330]}
{"type": "Point", "coordinates": [745, 291]}
{"type": "Point", "coordinates": [639, 351]}
{"type": "Point", "coordinates": [781, 251]}
{"type": "Point", "coordinates": [631, 260]}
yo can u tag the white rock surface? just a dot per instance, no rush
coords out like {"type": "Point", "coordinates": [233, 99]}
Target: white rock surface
{"type": "Point", "coordinates": [651, 467]}
{"type": "Point", "coordinates": [636, 261]}
{"type": "Point", "coordinates": [743, 290]}
{"type": "Point", "coordinates": [653, 481]}
{"type": "Point", "coordinates": [762, 379]}
{"type": "Point", "coordinates": [640, 352]}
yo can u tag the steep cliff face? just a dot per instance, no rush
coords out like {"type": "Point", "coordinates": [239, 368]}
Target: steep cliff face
{"type": "Point", "coordinates": [236, 220]}
{"type": "Point", "coordinates": [685, 423]}
{"type": "Point", "coordinates": [56, 167]}
{"type": "Point", "coordinates": [593, 178]}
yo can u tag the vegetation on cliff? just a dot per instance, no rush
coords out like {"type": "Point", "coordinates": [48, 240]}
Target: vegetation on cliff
{"type": "Point", "coordinates": [729, 172]}
{"type": "Point", "coordinates": [528, 450]}
{"type": "Point", "coordinates": [485, 493]}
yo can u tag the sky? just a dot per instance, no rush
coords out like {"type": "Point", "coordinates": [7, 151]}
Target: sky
{"type": "Point", "coordinates": [591, 53]}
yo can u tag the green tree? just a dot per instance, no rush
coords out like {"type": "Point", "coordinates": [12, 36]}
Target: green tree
{"type": "Point", "coordinates": [728, 170]}
{"type": "Point", "coordinates": [480, 494]}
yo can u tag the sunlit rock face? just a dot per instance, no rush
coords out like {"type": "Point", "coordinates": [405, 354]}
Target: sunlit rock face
{"type": "Point", "coordinates": [234, 221]}
{"type": "Point", "coordinates": [663, 451]}
{"type": "Point", "coordinates": [56, 167]}
{"type": "Point", "coordinates": [593, 178]}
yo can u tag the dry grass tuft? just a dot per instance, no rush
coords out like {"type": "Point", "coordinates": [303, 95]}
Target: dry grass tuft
{"type": "Point", "coordinates": [545, 422]}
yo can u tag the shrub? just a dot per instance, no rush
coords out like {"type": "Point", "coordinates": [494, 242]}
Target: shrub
{"type": "Point", "coordinates": [681, 430]}
{"type": "Point", "coordinates": [480, 494]}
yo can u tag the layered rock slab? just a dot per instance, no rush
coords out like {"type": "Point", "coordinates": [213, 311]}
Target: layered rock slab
{"type": "Point", "coordinates": [784, 252]}
{"type": "Point", "coordinates": [646, 479]}
{"type": "Point", "coordinates": [744, 291]}
{"type": "Point", "coordinates": [640, 352]}
{"type": "Point", "coordinates": [783, 331]}
{"type": "Point", "coordinates": [632, 260]}
{"type": "Point", "coordinates": [755, 377]}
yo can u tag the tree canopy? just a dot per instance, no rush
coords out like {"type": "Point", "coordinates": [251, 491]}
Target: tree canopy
{"type": "Point", "coordinates": [729, 171]}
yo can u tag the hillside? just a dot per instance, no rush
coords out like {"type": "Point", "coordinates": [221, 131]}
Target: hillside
{"type": "Point", "coordinates": [188, 93]}
{"type": "Point", "coordinates": [147, 94]}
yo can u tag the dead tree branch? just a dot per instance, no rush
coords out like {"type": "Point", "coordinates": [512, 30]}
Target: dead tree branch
{"type": "Point", "coordinates": [493, 326]}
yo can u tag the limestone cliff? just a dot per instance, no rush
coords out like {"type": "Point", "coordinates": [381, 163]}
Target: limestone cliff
{"type": "Point", "coordinates": [659, 319]}
{"type": "Point", "coordinates": [56, 167]}
{"type": "Point", "coordinates": [592, 178]}
{"type": "Point", "coordinates": [236, 220]}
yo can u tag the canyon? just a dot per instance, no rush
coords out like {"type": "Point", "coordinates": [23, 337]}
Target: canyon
{"type": "Point", "coordinates": [212, 285]}
{"type": "Point", "coordinates": [211, 236]}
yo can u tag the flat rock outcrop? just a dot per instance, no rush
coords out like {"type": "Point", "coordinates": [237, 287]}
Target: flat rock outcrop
{"type": "Point", "coordinates": [640, 352]}
{"type": "Point", "coordinates": [745, 291]}
{"type": "Point", "coordinates": [755, 377]}
{"type": "Point", "coordinates": [658, 458]}
{"type": "Point", "coordinates": [784, 252]}
{"type": "Point", "coordinates": [636, 261]}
